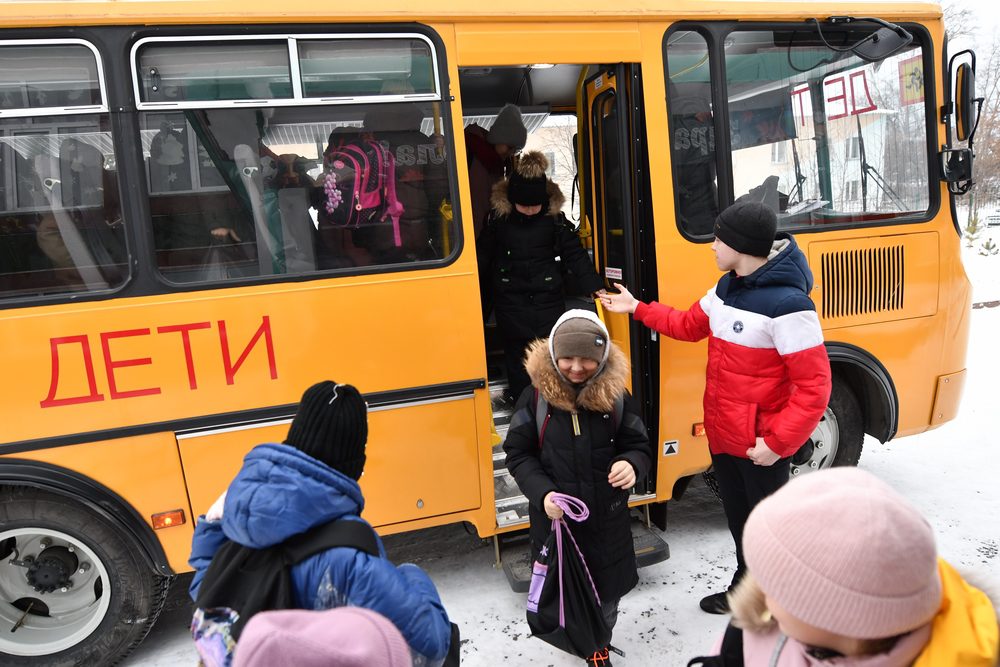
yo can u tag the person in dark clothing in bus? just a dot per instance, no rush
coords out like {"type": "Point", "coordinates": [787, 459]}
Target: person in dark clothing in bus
{"type": "Point", "coordinates": [491, 154]}
{"type": "Point", "coordinates": [528, 252]}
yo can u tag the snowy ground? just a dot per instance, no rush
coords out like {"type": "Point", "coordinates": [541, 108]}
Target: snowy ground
{"type": "Point", "coordinates": [950, 473]}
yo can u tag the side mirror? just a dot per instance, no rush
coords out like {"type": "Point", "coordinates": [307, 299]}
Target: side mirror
{"type": "Point", "coordinates": [966, 115]}
{"type": "Point", "coordinates": [956, 165]}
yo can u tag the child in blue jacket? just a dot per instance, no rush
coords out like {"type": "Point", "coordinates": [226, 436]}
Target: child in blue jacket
{"type": "Point", "coordinates": [286, 489]}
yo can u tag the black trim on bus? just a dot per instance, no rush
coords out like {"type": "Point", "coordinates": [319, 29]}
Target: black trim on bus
{"type": "Point", "coordinates": [643, 251]}
{"type": "Point", "coordinates": [888, 399]}
{"type": "Point", "coordinates": [115, 43]}
{"type": "Point", "coordinates": [715, 34]}
{"type": "Point", "coordinates": [97, 497]}
{"type": "Point", "coordinates": [381, 399]}
{"type": "Point", "coordinates": [946, 76]}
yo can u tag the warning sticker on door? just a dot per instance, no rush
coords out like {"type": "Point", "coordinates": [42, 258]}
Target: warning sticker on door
{"type": "Point", "coordinates": [611, 273]}
{"type": "Point", "coordinates": [671, 448]}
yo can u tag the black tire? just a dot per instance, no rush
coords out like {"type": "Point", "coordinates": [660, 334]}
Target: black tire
{"type": "Point", "coordinates": [839, 437]}
{"type": "Point", "coordinates": [837, 440]}
{"type": "Point", "coordinates": [136, 593]}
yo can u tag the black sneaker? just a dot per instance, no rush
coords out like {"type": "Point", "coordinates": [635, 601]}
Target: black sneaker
{"type": "Point", "coordinates": [716, 603]}
{"type": "Point", "coordinates": [599, 659]}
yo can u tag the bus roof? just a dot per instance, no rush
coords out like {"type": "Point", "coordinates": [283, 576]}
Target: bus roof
{"type": "Point", "coordinates": [19, 13]}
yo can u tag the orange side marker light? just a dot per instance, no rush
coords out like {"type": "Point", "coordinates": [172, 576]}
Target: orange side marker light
{"type": "Point", "coordinates": [168, 519]}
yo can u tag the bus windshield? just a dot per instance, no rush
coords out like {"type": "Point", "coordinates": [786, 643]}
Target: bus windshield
{"type": "Point", "coordinates": [823, 136]}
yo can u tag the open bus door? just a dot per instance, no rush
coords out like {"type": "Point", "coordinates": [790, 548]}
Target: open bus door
{"type": "Point", "coordinates": [617, 202]}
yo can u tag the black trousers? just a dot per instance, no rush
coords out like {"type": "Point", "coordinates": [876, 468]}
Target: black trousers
{"type": "Point", "coordinates": [513, 354]}
{"type": "Point", "coordinates": [742, 485]}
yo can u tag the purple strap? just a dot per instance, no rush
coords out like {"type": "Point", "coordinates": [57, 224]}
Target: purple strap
{"type": "Point", "coordinates": [575, 509]}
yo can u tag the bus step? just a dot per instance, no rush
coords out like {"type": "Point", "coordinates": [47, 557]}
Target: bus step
{"type": "Point", "coordinates": [515, 554]}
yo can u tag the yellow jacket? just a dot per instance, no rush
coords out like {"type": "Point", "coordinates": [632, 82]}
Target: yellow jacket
{"type": "Point", "coordinates": [964, 632]}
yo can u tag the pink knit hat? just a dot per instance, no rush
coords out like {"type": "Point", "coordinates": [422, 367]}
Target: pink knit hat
{"type": "Point", "coordinates": [342, 637]}
{"type": "Point", "coordinates": [842, 551]}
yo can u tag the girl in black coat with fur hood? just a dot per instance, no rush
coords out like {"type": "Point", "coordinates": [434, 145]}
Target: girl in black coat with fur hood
{"type": "Point", "coordinates": [587, 451]}
{"type": "Point", "coordinates": [527, 252]}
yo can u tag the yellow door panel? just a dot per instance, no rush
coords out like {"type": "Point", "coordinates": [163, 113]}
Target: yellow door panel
{"type": "Point", "coordinates": [411, 451]}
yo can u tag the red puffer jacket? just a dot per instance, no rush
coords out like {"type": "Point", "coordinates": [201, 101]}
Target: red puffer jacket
{"type": "Point", "coordinates": [768, 372]}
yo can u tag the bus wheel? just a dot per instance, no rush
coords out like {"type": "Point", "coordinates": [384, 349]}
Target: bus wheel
{"type": "Point", "coordinates": [838, 437]}
{"type": "Point", "coordinates": [74, 589]}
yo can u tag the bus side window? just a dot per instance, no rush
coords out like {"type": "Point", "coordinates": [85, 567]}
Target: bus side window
{"type": "Point", "coordinates": [692, 132]}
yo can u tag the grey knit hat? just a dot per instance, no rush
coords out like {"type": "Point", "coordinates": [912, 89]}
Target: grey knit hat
{"type": "Point", "coordinates": [580, 333]}
{"type": "Point", "coordinates": [331, 425]}
{"type": "Point", "coordinates": [508, 128]}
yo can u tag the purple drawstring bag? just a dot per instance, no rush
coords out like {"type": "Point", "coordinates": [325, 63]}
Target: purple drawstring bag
{"type": "Point", "coordinates": [564, 608]}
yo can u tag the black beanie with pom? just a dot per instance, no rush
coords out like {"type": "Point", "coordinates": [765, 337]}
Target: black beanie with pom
{"type": "Point", "coordinates": [331, 425]}
{"type": "Point", "coordinates": [528, 184]}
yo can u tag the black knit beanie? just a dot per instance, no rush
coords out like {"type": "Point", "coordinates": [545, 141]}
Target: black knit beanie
{"type": "Point", "coordinates": [331, 425]}
{"type": "Point", "coordinates": [527, 191]}
{"type": "Point", "coordinates": [747, 227]}
{"type": "Point", "coordinates": [528, 184]}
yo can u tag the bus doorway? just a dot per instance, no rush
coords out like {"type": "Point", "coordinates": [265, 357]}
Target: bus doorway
{"type": "Point", "coordinates": [579, 118]}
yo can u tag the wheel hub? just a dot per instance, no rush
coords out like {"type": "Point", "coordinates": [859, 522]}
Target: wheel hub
{"type": "Point", "coordinates": [52, 569]}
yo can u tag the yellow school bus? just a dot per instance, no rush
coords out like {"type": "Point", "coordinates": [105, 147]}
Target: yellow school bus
{"type": "Point", "coordinates": [176, 268]}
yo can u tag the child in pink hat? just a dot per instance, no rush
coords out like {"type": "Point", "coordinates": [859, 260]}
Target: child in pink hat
{"type": "Point", "coordinates": [863, 587]}
{"type": "Point", "coordinates": [341, 637]}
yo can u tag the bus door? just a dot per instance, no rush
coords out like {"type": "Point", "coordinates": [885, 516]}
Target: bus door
{"type": "Point", "coordinates": [617, 203]}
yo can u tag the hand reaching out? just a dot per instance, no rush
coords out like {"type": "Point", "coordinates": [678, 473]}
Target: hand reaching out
{"type": "Point", "coordinates": [623, 302]}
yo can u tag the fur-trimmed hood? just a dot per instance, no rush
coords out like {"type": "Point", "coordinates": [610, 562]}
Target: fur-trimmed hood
{"type": "Point", "coordinates": [598, 394]}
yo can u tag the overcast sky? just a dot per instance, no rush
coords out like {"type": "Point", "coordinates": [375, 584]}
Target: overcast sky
{"type": "Point", "coordinates": [987, 15]}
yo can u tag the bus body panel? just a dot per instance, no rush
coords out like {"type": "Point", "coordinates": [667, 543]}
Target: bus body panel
{"type": "Point", "coordinates": [145, 471]}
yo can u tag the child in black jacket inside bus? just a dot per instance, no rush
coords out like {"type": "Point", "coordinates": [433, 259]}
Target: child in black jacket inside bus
{"type": "Point", "coordinates": [528, 256]}
{"type": "Point", "coordinates": [587, 452]}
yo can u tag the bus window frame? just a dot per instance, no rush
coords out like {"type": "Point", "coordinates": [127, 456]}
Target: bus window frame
{"type": "Point", "coordinates": [119, 101]}
{"type": "Point", "coordinates": [359, 31]}
{"type": "Point", "coordinates": [298, 99]}
{"type": "Point", "coordinates": [715, 34]}
{"type": "Point", "coordinates": [105, 108]}
{"type": "Point", "coordinates": [30, 112]}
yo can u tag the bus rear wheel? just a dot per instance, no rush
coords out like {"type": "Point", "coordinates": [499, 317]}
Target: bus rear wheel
{"type": "Point", "coordinates": [837, 439]}
{"type": "Point", "coordinates": [74, 588]}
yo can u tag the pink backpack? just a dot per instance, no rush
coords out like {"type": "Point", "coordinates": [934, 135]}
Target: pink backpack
{"type": "Point", "coordinates": [359, 184]}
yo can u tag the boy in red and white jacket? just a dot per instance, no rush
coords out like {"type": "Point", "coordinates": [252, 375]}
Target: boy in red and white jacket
{"type": "Point", "coordinates": [768, 375]}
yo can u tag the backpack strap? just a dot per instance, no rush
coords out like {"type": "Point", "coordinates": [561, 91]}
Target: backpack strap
{"type": "Point", "coordinates": [542, 415]}
{"type": "Point", "coordinates": [394, 207]}
{"type": "Point", "coordinates": [618, 411]}
{"type": "Point", "coordinates": [339, 533]}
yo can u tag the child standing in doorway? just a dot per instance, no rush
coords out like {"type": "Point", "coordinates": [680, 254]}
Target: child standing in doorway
{"type": "Point", "coordinates": [588, 452]}
{"type": "Point", "coordinates": [768, 378]}
{"type": "Point", "coordinates": [528, 256]}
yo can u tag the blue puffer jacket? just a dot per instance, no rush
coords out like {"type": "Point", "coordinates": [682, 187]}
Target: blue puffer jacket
{"type": "Point", "coordinates": [280, 492]}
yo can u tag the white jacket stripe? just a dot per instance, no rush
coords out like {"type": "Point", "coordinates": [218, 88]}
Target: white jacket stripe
{"type": "Point", "coordinates": [796, 332]}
